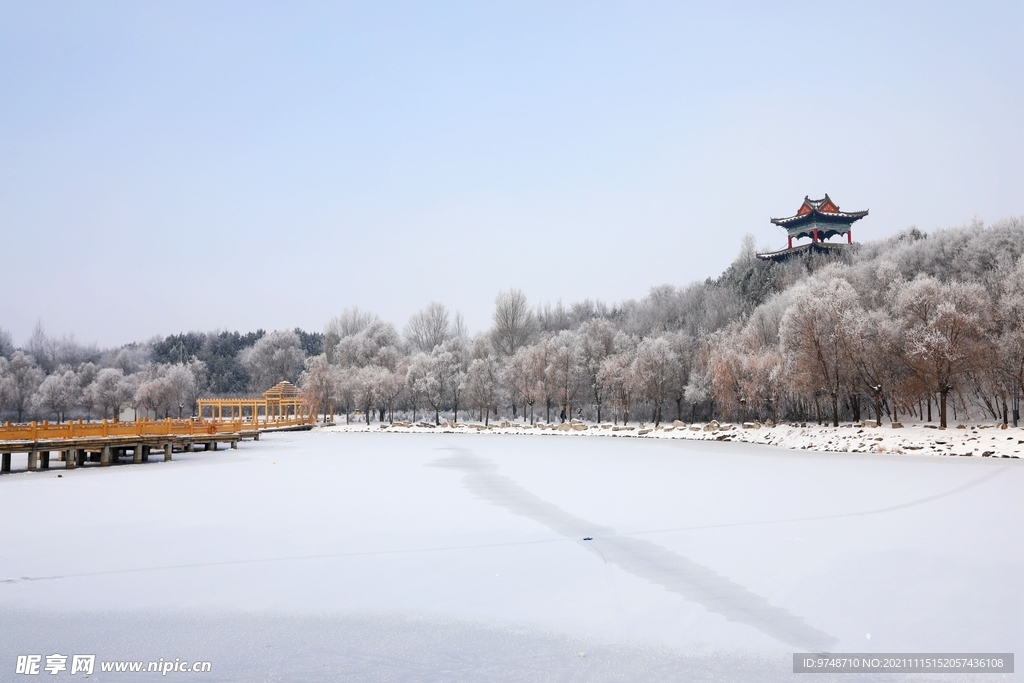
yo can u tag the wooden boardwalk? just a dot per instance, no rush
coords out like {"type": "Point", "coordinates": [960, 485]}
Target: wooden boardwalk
{"type": "Point", "coordinates": [105, 443]}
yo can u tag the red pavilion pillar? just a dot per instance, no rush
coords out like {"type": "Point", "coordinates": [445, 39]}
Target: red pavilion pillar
{"type": "Point", "coordinates": [849, 236]}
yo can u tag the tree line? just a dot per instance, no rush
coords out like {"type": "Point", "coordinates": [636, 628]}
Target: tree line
{"type": "Point", "coordinates": [58, 378]}
{"type": "Point", "coordinates": [919, 325]}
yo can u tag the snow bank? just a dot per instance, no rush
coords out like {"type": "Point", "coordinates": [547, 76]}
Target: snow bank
{"type": "Point", "coordinates": [973, 439]}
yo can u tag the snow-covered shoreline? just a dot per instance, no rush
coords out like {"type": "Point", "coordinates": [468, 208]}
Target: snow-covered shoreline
{"type": "Point", "coordinates": [964, 439]}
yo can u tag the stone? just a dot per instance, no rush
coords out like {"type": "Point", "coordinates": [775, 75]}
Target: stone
{"type": "Point", "coordinates": [897, 425]}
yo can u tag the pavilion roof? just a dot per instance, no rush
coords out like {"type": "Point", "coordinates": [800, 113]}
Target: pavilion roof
{"type": "Point", "coordinates": [823, 208]}
{"type": "Point", "coordinates": [811, 247]}
{"type": "Point", "coordinates": [282, 390]}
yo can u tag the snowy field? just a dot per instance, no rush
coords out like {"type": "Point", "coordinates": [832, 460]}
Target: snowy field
{"type": "Point", "coordinates": [461, 557]}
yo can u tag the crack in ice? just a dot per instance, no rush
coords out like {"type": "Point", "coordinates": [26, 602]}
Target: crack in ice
{"type": "Point", "coordinates": [644, 559]}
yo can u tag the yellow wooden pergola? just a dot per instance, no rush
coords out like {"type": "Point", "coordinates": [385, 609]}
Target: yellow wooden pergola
{"type": "Point", "coordinates": [281, 403]}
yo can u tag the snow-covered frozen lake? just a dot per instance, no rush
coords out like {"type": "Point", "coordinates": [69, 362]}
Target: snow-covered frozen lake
{"type": "Point", "coordinates": [410, 557]}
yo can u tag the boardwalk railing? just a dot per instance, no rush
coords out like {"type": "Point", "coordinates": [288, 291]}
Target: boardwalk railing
{"type": "Point", "coordinates": [36, 431]}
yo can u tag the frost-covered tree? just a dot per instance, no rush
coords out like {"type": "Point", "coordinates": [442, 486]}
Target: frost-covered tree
{"type": "Point", "coordinates": [617, 375]}
{"type": "Point", "coordinates": [872, 342]}
{"type": "Point", "coordinates": [130, 359]}
{"type": "Point", "coordinates": [523, 375]}
{"type": "Point", "coordinates": [184, 384]}
{"type": "Point", "coordinates": [109, 392]}
{"type": "Point", "coordinates": [318, 384]}
{"type": "Point", "coordinates": [514, 322]}
{"type": "Point", "coordinates": [170, 389]}
{"type": "Point", "coordinates": [814, 335]}
{"type": "Point", "coordinates": [459, 365]}
{"type": "Point", "coordinates": [375, 387]}
{"type": "Point", "coordinates": [727, 371]}
{"type": "Point", "coordinates": [277, 357]}
{"type": "Point", "coordinates": [698, 387]}
{"type": "Point", "coordinates": [21, 381]}
{"type": "Point", "coordinates": [598, 339]}
{"type": "Point", "coordinates": [766, 375]}
{"type": "Point", "coordinates": [430, 376]}
{"type": "Point", "coordinates": [376, 344]}
{"type": "Point", "coordinates": [59, 393]}
{"type": "Point", "coordinates": [6, 344]}
{"type": "Point", "coordinates": [438, 377]}
{"type": "Point", "coordinates": [364, 382]}
{"type": "Point", "coordinates": [352, 321]}
{"type": "Point", "coordinates": [429, 328]}
{"type": "Point", "coordinates": [51, 352]}
{"type": "Point", "coordinates": [684, 347]}
{"type": "Point", "coordinates": [153, 393]}
{"type": "Point", "coordinates": [566, 370]}
{"type": "Point", "coordinates": [483, 386]}
{"type": "Point", "coordinates": [654, 371]}
{"type": "Point", "coordinates": [1011, 338]}
{"type": "Point", "coordinates": [389, 386]}
{"type": "Point", "coordinates": [344, 390]}
{"type": "Point", "coordinates": [945, 328]}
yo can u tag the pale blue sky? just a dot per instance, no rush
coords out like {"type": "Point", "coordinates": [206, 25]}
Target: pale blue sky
{"type": "Point", "coordinates": [176, 166]}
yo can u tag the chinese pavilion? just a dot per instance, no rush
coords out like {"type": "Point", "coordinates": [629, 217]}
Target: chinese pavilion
{"type": "Point", "coordinates": [282, 401]}
{"type": "Point", "coordinates": [818, 219]}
